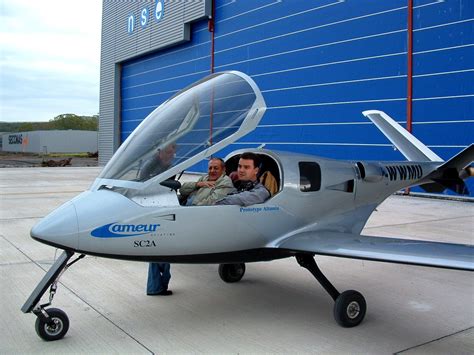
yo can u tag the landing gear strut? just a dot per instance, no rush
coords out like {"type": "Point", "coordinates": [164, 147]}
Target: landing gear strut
{"type": "Point", "coordinates": [349, 306]}
{"type": "Point", "coordinates": [52, 323]}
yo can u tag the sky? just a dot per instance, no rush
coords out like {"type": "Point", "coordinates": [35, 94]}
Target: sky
{"type": "Point", "coordinates": [49, 58]}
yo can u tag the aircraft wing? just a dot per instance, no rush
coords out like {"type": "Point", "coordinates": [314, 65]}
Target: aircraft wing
{"type": "Point", "coordinates": [394, 250]}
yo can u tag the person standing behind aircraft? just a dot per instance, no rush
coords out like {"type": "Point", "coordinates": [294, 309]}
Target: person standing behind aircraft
{"type": "Point", "coordinates": [158, 163]}
{"type": "Point", "coordinates": [209, 188]}
{"type": "Point", "coordinates": [158, 273]}
{"type": "Point", "coordinates": [249, 190]}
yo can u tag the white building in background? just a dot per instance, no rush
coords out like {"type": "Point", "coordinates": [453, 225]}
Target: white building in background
{"type": "Point", "coordinates": [70, 141]}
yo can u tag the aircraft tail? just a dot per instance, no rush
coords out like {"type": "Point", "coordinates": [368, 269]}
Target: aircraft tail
{"type": "Point", "coordinates": [448, 175]}
{"type": "Point", "coordinates": [451, 174]}
{"type": "Point", "coordinates": [405, 142]}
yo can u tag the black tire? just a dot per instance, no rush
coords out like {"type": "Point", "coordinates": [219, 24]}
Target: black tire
{"type": "Point", "coordinates": [231, 272]}
{"type": "Point", "coordinates": [349, 309]}
{"type": "Point", "coordinates": [57, 330]}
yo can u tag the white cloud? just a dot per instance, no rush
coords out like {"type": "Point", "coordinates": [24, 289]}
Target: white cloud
{"type": "Point", "coordinates": [49, 58]}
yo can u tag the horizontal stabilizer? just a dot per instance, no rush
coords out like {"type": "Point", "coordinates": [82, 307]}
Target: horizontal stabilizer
{"type": "Point", "coordinates": [405, 142]}
{"type": "Point", "coordinates": [404, 251]}
{"type": "Point", "coordinates": [460, 160]}
{"type": "Point", "coordinates": [451, 174]}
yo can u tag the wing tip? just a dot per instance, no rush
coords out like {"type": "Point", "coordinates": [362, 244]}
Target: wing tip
{"type": "Point", "coordinates": [366, 113]}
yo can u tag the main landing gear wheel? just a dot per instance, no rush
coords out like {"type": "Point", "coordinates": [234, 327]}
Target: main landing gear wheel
{"type": "Point", "coordinates": [55, 328]}
{"type": "Point", "coordinates": [231, 272]}
{"type": "Point", "coordinates": [349, 308]}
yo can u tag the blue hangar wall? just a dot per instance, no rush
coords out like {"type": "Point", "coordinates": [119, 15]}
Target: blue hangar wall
{"type": "Point", "coordinates": [321, 63]}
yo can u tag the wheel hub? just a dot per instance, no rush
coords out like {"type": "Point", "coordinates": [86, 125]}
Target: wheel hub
{"type": "Point", "coordinates": [353, 309]}
{"type": "Point", "coordinates": [236, 271]}
{"type": "Point", "coordinates": [54, 329]}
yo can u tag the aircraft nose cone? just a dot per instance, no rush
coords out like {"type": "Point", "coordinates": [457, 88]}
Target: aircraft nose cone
{"type": "Point", "coordinates": [59, 228]}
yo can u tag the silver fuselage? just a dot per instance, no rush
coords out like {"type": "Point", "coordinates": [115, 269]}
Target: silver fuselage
{"type": "Point", "coordinates": [156, 227]}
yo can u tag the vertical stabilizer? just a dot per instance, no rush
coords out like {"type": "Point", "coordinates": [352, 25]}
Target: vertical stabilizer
{"type": "Point", "coordinates": [405, 142]}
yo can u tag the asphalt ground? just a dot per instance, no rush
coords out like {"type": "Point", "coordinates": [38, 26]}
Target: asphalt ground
{"type": "Point", "coordinates": [277, 308]}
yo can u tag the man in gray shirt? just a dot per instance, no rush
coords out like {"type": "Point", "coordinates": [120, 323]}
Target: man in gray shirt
{"type": "Point", "coordinates": [249, 190]}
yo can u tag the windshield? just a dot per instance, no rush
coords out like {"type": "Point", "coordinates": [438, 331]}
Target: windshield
{"type": "Point", "coordinates": [204, 115]}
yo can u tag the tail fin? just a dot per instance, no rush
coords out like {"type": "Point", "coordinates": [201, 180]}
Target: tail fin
{"type": "Point", "coordinates": [448, 175]}
{"type": "Point", "coordinates": [405, 142]}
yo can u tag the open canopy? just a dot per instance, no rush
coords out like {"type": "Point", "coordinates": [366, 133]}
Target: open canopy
{"type": "Point", "coordinates": [192, 125]}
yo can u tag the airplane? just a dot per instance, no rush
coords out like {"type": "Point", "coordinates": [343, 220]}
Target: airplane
{"type": "Point", "coordinates": [319, 208]}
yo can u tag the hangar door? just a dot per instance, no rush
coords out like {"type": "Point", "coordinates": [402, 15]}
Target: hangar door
{"type": "Point", "coordinates": [148, 81]}
{"type": "Point", "coordinates": [319, 64]}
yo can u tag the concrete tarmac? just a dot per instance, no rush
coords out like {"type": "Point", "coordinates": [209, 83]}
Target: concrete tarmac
{"type": "Point", "coordinates": [277, 308]}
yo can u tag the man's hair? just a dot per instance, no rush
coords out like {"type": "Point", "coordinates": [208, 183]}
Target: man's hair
{"type": "Point", "coordinates": [251, 156]}
{"type": "Point", "coordinates": [220, 160]}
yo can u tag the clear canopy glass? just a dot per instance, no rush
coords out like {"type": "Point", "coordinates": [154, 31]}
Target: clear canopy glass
{"type": "Point", "coordinates": [199, 117]}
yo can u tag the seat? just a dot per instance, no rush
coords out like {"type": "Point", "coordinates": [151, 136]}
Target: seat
{"type": "Point", "coordinates": [268, 180]}
{"type": "Point", "coordinates": [234, 176]}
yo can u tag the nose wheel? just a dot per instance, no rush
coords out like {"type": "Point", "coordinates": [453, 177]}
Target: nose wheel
{"type": "Point", "coordinates": [53, 323]}
{"type": "Point", "coordinates": [52, 326]}
{"type": "Point", "coordinates": [349, 306]}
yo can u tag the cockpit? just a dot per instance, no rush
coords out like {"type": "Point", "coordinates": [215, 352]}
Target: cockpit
{"type": "Point", "coordinates": [191, 126]}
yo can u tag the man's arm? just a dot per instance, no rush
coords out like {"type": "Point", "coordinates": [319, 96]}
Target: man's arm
{"type": "Point", "coordinates": [246, 198]}
{"type": "Point", "coordinates": [145, 170]}
{"type": "Point", "coordinates": [187, 188]}
{"type": "Point", "coordinates": [223, 187]}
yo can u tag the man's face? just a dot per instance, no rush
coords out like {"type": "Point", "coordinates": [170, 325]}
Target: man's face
{"type": "Point", "coordinates": [215, 169]}
{"type": "Point", "coordinates": [167, 154]}
{"type": "Point", "coordinates": [246, 170]}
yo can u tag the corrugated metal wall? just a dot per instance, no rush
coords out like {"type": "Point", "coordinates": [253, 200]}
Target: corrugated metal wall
{"type": "Point", "coordinates": [148, 81]}
{"type": "Point", "coordinates": [120, 44]}
{"type": "Point", "coordinates": [320, 64]}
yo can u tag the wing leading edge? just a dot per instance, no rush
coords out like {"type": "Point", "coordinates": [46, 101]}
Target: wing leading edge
{"type": "Point", "coordinates": [394, 250]}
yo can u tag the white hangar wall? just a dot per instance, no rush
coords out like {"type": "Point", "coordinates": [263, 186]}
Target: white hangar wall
{"type": "Point", "coordinates": [70, 141]}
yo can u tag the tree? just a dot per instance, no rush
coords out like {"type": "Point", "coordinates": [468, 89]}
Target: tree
{"type": "Point", "coordinates": [72, 121]}
{"type": "Point", "coordinates": [60, 122]}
